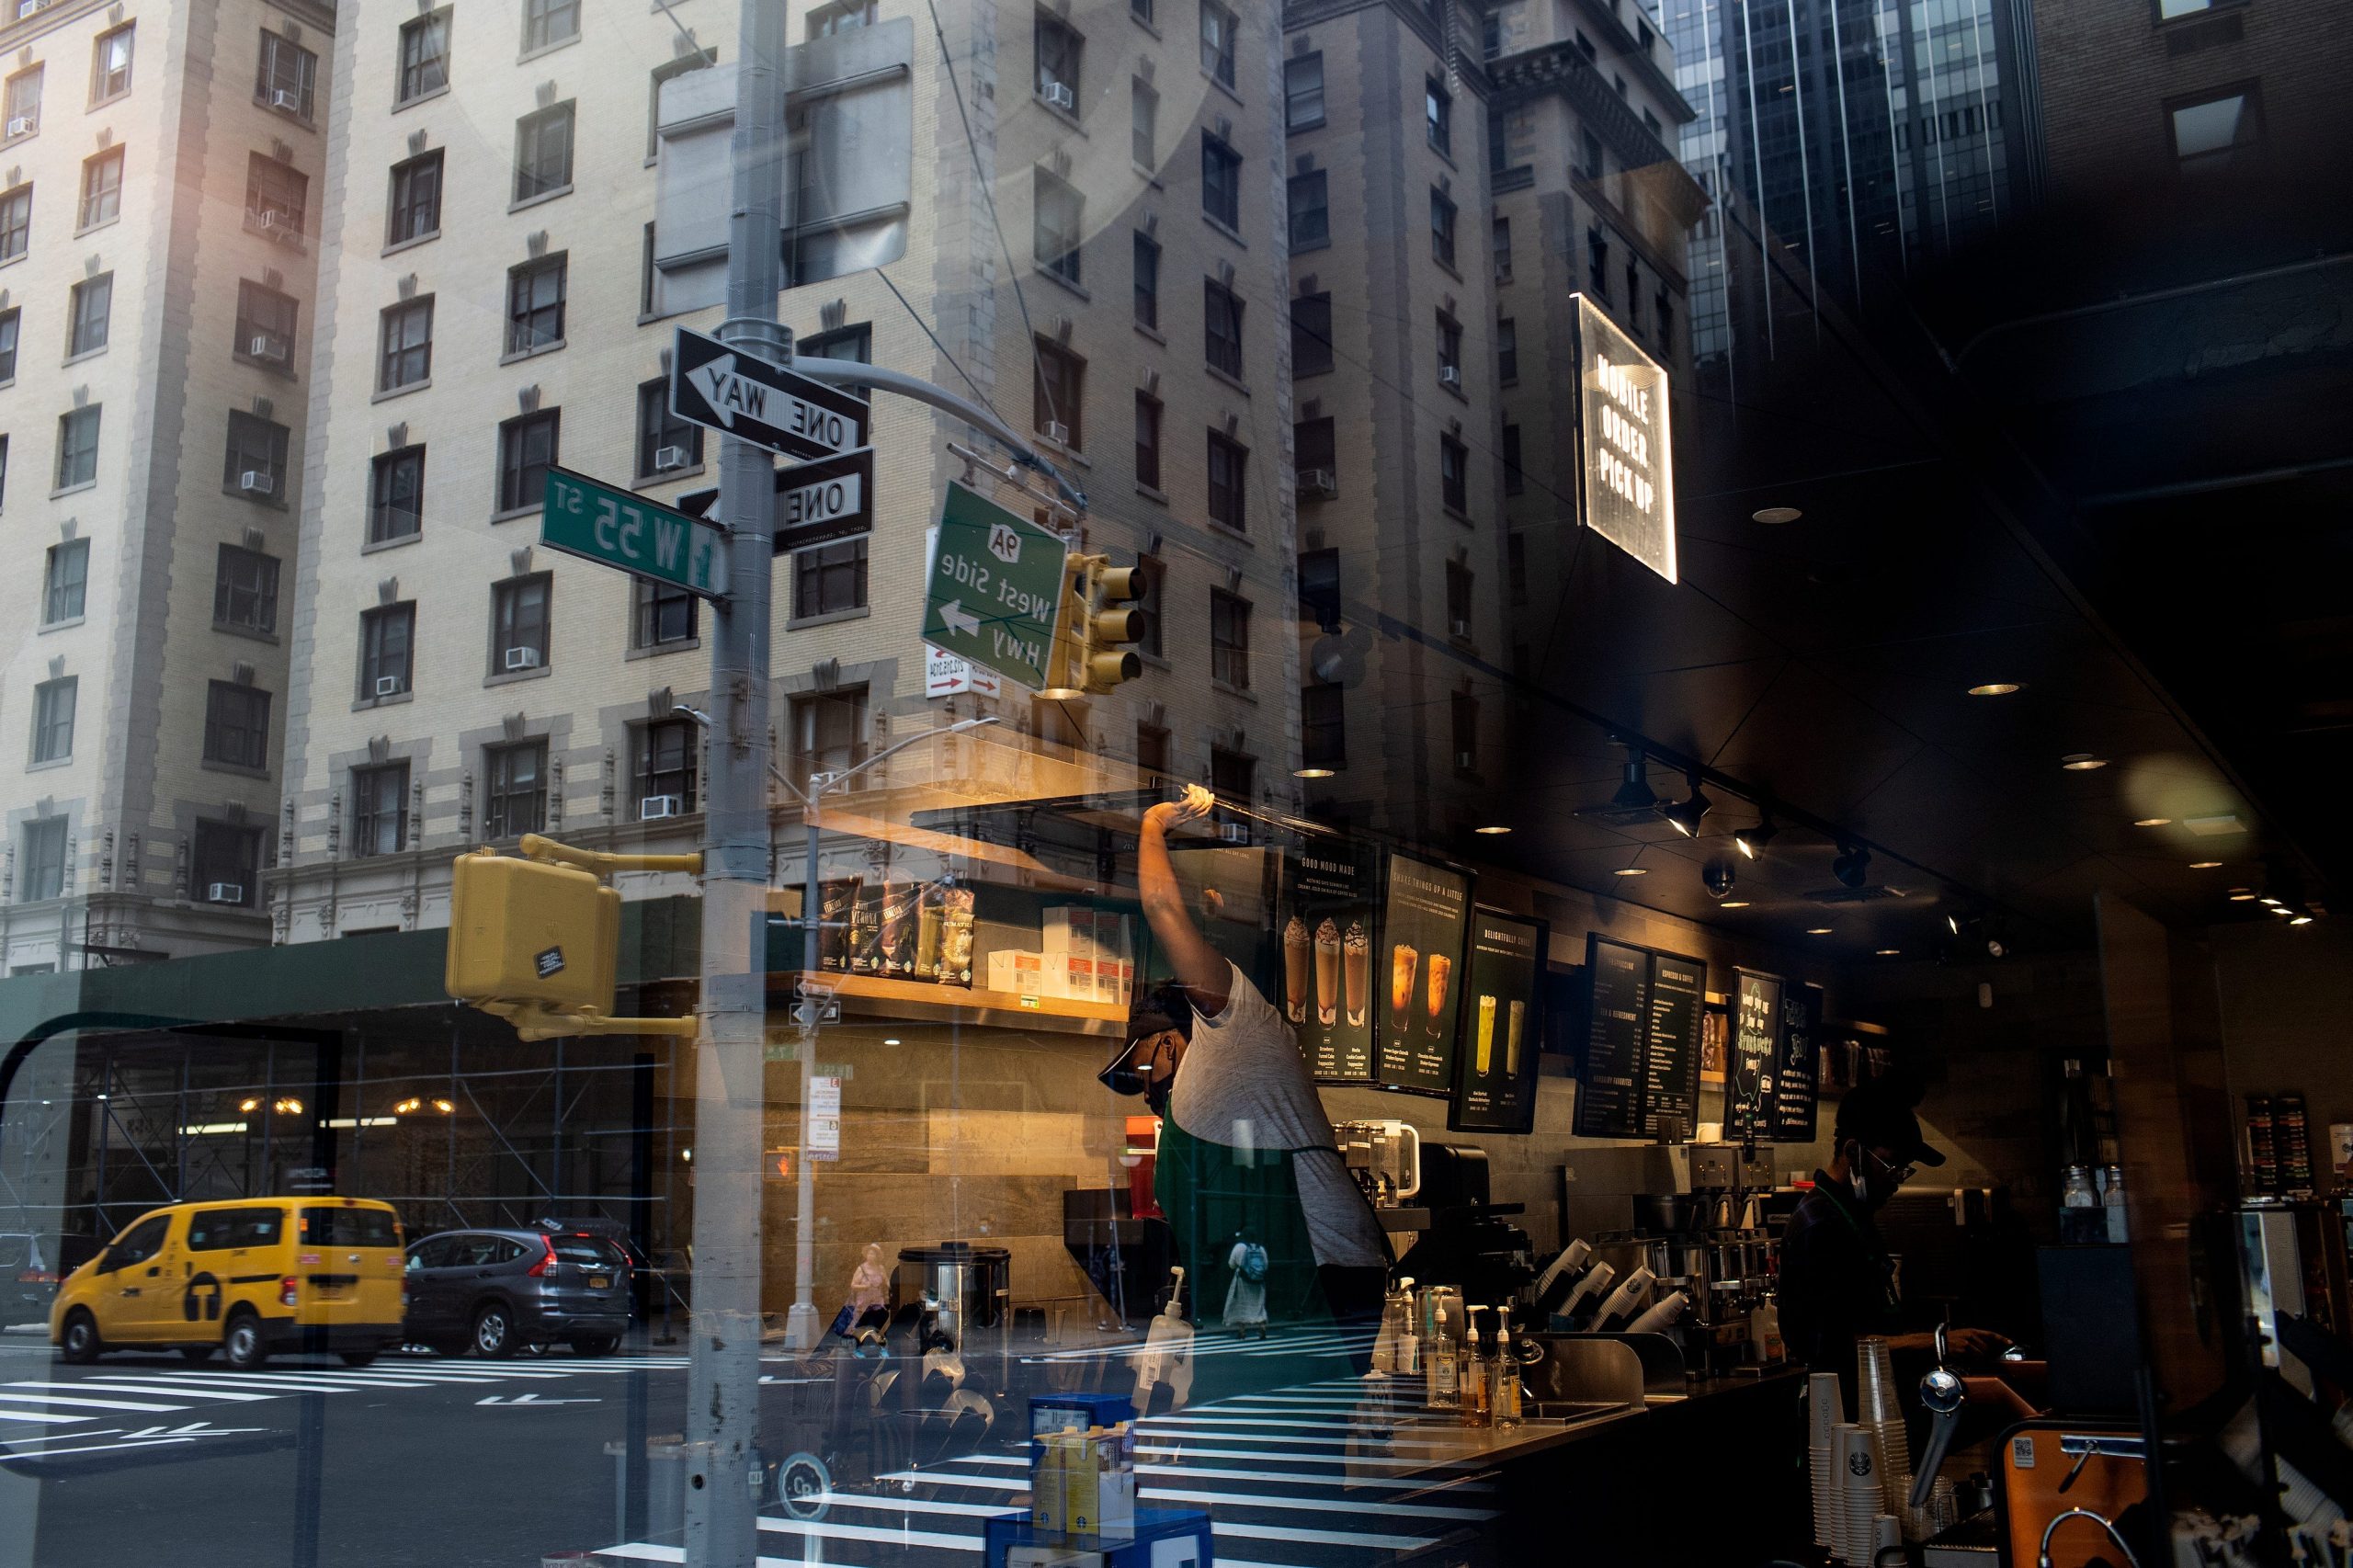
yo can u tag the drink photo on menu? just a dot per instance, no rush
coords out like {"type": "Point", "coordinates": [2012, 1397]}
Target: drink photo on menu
{"type": "Point", "coordinates": [1426, 918]}
{"type": "Point", "coordinates": [1328, 903]}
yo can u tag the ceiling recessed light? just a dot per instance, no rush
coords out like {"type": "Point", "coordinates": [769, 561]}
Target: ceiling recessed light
{"type": "Point", "coordinates": [1890, 952]}
{"type": "Point", "coordinates": [2281, 909]}
{"type": "Point", "coordinates": [889, 1042]}
{"type": "Point", "coordinates": [1734, 904]}
{"type": "Point", "coordinates": [2205, 865]}
{"type": "Point", "coordinates": [2241, 895]}
{"type": "Point", "coordinates": [2300, 920]}
{"type": "Point", "coordinates": [1310, 773]}
{"type": "Point", "coordinates": [1631, 871]}
{"type": "Point", "coordinates": [2081, 762]}
{"type": "Point", "coordinates": [1493, 830]}
{"type": "Point", "coordinates": [1774, 516]}
{"type": "Point", "coordinates": [1994, 688]}
{"type": "Point", "coordinates": [2267, 899]}
{"type": "Point", "coordinates": [1817, 930]}
{"type": "Point", "coordinates": [2154, 822]}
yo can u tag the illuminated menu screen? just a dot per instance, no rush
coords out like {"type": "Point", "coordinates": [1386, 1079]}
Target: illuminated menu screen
{"type": "Point", "coordinates": [1640, 1062]}
{"type": "Point", "coordinates": [1628, 473]}
{"type": "Point", "coordinates": [1671, 1056]}
{"type": "Point", "coordinates": [1494, 1065]}
{"type": "Point", "coordinates": [1755, 1040]}
{"type": "Point", "coordinates": [1419, 989]}
{"type": "Point", "coordinates": [1331, 976]}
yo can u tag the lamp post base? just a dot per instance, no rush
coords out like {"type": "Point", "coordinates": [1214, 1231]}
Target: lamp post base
{"type": "Point", "coordinates": [800, 1326]}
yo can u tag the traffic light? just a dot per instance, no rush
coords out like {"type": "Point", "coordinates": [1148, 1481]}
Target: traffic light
{"type": "Point", "coordinates": [536, 941]}
{"type": "Point", "coordinates": [1112, 620]}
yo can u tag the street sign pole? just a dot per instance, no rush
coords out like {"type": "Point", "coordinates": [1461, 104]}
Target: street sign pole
{"type": "Point", "coordinates": [724, 1369]}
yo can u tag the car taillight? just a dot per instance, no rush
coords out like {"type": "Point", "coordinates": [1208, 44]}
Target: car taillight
{"type": "Point", "coordinates": [547, 1259]}
{"type": "Point", "coordinates": [286, 1289]}
{"type": "Point", "coordinates": [37, 1277]}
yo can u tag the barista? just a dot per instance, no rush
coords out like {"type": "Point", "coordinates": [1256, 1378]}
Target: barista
{"type": "Point", "coordinates": [1244, 1138]}
{"type": "Point", "coordinates": [1837, 1281]}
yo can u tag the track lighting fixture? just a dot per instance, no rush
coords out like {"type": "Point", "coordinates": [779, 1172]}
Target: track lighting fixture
{"type": "Point", "coordinates": [1634, 792]}
{"type": "Point", "coordinates": [1751, 841]}
{"type": "Point", "coordinates": [1686, 815]}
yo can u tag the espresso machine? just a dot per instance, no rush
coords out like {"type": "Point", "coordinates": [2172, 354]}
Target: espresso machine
{"type": "Point", "coordinates": [1385, 1157]}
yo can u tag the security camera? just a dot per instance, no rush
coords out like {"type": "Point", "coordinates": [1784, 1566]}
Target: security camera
{"type": "Point", "coordinates": [1717, 876]}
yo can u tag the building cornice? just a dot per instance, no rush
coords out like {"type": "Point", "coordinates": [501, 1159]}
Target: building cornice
{"type": "Point", "coordinates": [1606, 18]}
{"type": "Point", "coordinates": [1462, 57]}
{"type": "Point", "coordinates": [1563, 69]}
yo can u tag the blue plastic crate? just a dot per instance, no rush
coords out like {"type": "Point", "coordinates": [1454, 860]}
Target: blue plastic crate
{"type": "Point", "coordinates": [1164, 1538]}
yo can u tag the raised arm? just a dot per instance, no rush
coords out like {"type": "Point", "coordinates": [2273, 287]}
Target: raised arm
{"type": "Point", "coordinates": [1200, 969]}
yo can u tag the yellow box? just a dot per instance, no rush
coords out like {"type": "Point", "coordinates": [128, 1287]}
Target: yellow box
{"type": "Point", "coordinates": [523, 931]}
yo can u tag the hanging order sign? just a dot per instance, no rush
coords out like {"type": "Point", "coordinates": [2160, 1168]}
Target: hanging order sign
{"type": "Point", "coordinates": [1626, 490]}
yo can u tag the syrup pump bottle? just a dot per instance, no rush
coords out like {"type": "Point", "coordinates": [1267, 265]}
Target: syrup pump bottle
{"type": "Point", "coordinates": [1470, 1374]}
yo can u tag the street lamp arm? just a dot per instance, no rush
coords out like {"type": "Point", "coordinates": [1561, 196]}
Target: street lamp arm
{"type": "Point", "coordinates": [826, 783]}
{"type": "Point", "coordinates": [853, 373]}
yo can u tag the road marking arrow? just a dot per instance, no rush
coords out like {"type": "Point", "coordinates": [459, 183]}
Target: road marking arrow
{"type": "Point", "coordinates": [534, 1399]}
{"type": "Point", "coordinates": [953, 616]}
{"type": "Point", "coordinates": [193, 1429]}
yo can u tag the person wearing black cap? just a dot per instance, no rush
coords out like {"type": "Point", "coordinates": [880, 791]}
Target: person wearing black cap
{"type": "Point", "coordinates": [1837, 1281]}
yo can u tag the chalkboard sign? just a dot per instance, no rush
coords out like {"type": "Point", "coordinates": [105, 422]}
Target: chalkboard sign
{"type": "Point", "coordinates": [1755, 1041]}
{"type": "Point", "coordinates": [1426, 915]}
{"type": "Point", "coordinates": [1330, 980]}
{"type": "Point", "coordinates": [1494, 1066]}
{"type": "Point", "coordinates": [1641, 1061]}
{"type": "Point", "coordinates": [1796, 1066]}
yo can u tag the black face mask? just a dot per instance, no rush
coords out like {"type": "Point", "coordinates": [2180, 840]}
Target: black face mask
{"type": "Point", "coordinates": [1121, 1077]}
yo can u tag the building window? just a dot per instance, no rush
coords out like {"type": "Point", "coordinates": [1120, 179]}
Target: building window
{"type": "Point", "coordinates": [1058, 225]}
{"type": "Point", "coordinates": [666, 443]}
{"type": "Point", "coordinates": [527, 449]}
{"type": "Point", "coordinates": [266, 320]}
{"type": "Point", "coordinates": [22, 103]}
{"type": "Point", "coordinates": [1148, 410]}
{"type": "Point", "coordinates": [1141, 10]}
{"type": "Point", "coordinates": [828, 731]}
{"type": "Point", "coordinates": [829, 579]}
{"type": "Point", "coordinates": [77, 447]}
{"type": "Point", "coordinates": [11, 322]}
{"type": "Point", "coordinates": [1151, 748]}
{"type": "Point", "coordinates": [425, 56]}
{"type": "Point", "coordinates": [1060, 46]}
{"type": "Point", "coordinates": [1230, 638]}
{"type": "Point", "coordinates": [1311, 209]}
{"type": "Point", "coordinates": [3, 466]}
{"type": "Point", "coordinates": [1315, 448]}
{"type": "Point", "coordinates": [1143, 125]}
{"type": "Point", "coordinates": [1319, 588]}
{"type": "Point", "coordinates": [379, 808]}
{"type": "Point", "coordinates": [1663, 322]}
{"type": "Point", "coordinates": [1449, 351]}
{"type": "Point", "coordinates": [1516, 558]}
{"type": "Point", "coordinates": [397, 494]}
{"type": "Point", "coordinates": [519, 623]}
{"type": "Point", "coordinates": [1501, 249]}
{"type": "Point", "coordinates": [255, 466]}
{"type": "Point", "coordinates": [416, 199]}
{"type": "Point", "coordinates": [664, 615]}
{"type": "Point", "coordinates": [1515, 477]}
{"type": "Point", "coordinates": [1303, 92]}
{"type": "Point", "coordinates": [91, 316]}
{"type": "Point", "coordinates": [386, 637]}
{"type": "Point", "coordinates": [1221, 182]}
{"type": "Point", "coordinates": [277, 194]}
{"type": "Point", "coordinates": [1147, 264]}
{"type": "Point", "coordinates": [236, 725]}
{"type": "Point", "coordinates": [844, 16]}
{"type": "Point", "coordinates": [534, 299]}
{"type": "Point", "coordinates": [1507, 350]}
{"type": "Point", "coordinates": [1058, 394]}
{"type": "Point", "coordinates": [1454, 474]}
{"type": "Point", "coordinates": [1311, 335]}
{"type": "Point", "coordinates": [404, 356]}
{"type": "Point", "coordinates": [54, 705]}
{"type": "Point", "coordinates": [1596, 254]}
{"type": "Point", "coordinates": [1437, 114]}
{"type": "Point", "coordinates": [44, 861]}
{"type": "Point", "coordinates": [1458, 599]}
{"type": "Point", "coordinates": [2217, 132]}
{"type": "Point", "coordinates": [517, 801]}
{"type": "Point", "coordinates": [101, 188]}
{"type": "Point", "coordinates": [1151, 585]}
{"type": "Point", "coordinates": [550, 22]}
{"type": "Point", "coordinates": [1323, 725]}
{"type": "Point", "coordinates": [224, 859]}
{"type": "Point", "coordinates": [288, 75]}
{"type": "Point", "coordinates": [543, 151]}
{"type": "Point", "coordinates": [1593, 161]}
{"type": "Point", "coordinates": [666, 766]}
{"type": "Point", "coordinates": [1466, 733]}
{"type": "Point", "coordinates": [1633, 296]}
{"type": "Point", "coordinates": [702, 60]}
{"type": "Point", "coordinates": [65, 583]}
{"type": "Point", "coordinates": [1217, 42]}
{"type": "Point", "coordinates": [1222, 327]}
{"type": "Point", "coordinates": [16, 221]}
{"type": "Point", "coordinates": [110, 64]}
{"type": "Point", "coordinates": [1234, 774]}
{"type": "Point", "coordinates": [245, 590]}
{"type": "Point", "coordinates": [1229, 461]}
{"type": "Point", "coordinates": [1441, 226]}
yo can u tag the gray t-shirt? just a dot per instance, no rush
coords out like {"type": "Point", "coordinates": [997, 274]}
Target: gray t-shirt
{"type": "Point", "coordinates": [1244, 1083]}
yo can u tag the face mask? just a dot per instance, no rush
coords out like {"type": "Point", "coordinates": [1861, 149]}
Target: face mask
{"type": "Point", "coordinates": [1862, 1186]}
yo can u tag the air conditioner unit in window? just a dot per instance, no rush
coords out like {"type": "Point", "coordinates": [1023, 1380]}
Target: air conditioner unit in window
{"type": "Point", "coordinates": [287, 101]}
{"type": "Point", "coordinates": [522, 658]}
{"type": "Point", "coordinates": [22, 125]}
{"type": "Point", "coordinates": [27, 7]}
{"type": "Point", "coordinates": [1465, 761]}
{"type": "Point", "coordinates": [1449, 375]}
{"type": "Point", "coordinates": [265, 347]}
{"type": "Point", "coordinates": [1234, 832]}
{"type": "Point", "coordinates": [225, 892]}
{"type": "Point", "coordinates": [388, 686]}
{"type": "Point", "coordinates": [256, 483]}
{"type": "Point", "coordinates": [653, 808]}
{"type": "Point", "coordinates": [1057, 432]}
{"type": "Point", "coordinates": [1319, 481]}
{"type": "Point", "coordinates": [1458, 628]}
{"type": "Point", "coordinates": [1060, 97]}
{"type": "Point", "coordinates": [668, 457]}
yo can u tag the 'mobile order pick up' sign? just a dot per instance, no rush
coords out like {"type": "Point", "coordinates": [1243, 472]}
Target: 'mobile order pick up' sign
{"type": "Point", "coordinates": [1626, 468]}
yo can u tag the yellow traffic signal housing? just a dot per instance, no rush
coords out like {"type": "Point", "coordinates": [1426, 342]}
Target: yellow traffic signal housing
{"type": "Point", "coordinates": [1112, 619]}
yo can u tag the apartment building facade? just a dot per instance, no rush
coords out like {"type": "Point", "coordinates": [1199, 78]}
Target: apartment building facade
{"type": "Point", "coordinates": [1093, 245]}
{"type": "Point", "coordinates": [158, 239]}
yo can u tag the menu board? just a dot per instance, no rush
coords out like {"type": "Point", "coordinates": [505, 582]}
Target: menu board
{"type": "Point", "coordinates": [1426, 916]}
{"type": "Point", "coordinates": [1795, 1066]}
{"type": "Point", "coordinates": [1610, 1073]}
{"type": "Point", "coordinates": [1494, 1067]}
{"type": "Point", "coordinates": [1756, 1039]}
{"type": "Point", "coordinates": [1671, 1055]}
{"type": "Point", "coordinates": [1329, 979]}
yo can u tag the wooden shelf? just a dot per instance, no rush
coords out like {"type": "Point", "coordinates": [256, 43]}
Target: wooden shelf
{"type": "Point", "coordinates": [867, 995]}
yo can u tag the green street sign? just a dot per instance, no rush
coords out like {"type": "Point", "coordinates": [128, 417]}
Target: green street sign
{"type": "Point", "coordinates": [614, 527]}
{"type": "Point", "coordinates": [995, 590]}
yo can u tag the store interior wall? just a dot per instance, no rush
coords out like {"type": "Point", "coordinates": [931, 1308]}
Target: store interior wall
{"type": "Point", "coordinates": [2285, 994]}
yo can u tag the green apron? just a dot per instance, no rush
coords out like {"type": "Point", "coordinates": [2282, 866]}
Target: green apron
{"type": "Point", "coordinates": [1208, 1191]}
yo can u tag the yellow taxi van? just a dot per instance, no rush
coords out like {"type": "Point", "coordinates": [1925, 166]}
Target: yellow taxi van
{"type": "Point", "coordinates": [248, 1277]}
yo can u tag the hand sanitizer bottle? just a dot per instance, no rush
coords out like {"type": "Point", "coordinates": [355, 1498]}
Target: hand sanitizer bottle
{"type": "Point", "coordinates": [1470, 1374]}
{"type": "Point", "coordinates": [1504, 1400]}
{"type": "Point", "coordinates": [1445, 1391]}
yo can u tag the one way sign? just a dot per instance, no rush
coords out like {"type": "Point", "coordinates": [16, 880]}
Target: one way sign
{"type": "Point", "coordinates": [719, 385]}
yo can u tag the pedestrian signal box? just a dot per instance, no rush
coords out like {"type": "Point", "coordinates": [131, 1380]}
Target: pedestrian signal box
{"type": "Point", "coordinates": [536, 942]}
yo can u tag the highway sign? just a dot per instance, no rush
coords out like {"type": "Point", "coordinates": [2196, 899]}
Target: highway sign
{"type": "Point", "coordinates": [614, 527]}
{"type": "Point", "coordinates": [720, 385]}
{"type": "Point", "coordinates": [995, 595]}
{"type": "Point", "coordinates": [816, 503]}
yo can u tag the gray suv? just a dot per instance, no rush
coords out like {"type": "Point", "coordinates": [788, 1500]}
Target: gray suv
{"type": "Point", "coordinates": [496, 1292]}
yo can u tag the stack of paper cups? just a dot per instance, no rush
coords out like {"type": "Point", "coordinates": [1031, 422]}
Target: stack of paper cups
{"type": "Point", "coordinates": [1878, 1412]}
{"type": "Point", "coordinates": [1859, 1495]}
{"type": "Point", "coordinates": [1886, 1535]}
{"type": "Point", "coordinates": [1822, 1416]}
